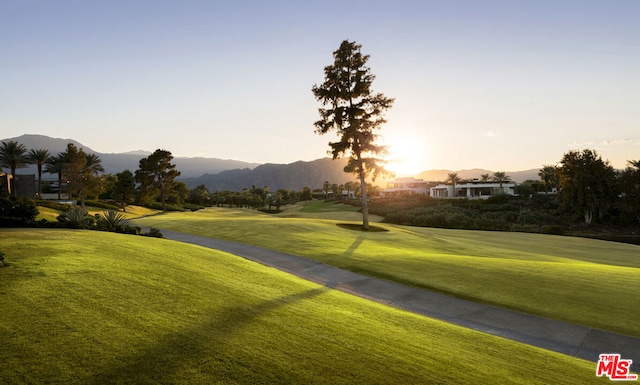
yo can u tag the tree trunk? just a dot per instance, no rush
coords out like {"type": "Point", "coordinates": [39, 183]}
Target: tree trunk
{"type": "Point", "coordinates": [363, 193]}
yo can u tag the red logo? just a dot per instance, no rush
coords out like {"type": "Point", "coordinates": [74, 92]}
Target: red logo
{"type": "Point", "coordinates": [614, 367]}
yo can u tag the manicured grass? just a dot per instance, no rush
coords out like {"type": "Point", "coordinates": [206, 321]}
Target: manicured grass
{"type": "Point", "coordinates": [584, 281]}
{"type": "Point", "coordinates": [85, 307]}
{"type": "Point", "coordinates": [325, 210]}
{"type": "Point", "coordinates": [51, 215]}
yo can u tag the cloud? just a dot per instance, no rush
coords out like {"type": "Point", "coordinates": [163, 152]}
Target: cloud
{"type": "Point", "coordinates": [491, 133]}
{"type": "Point", "coordinates": [591, 143]}
{"type": "Point", "coordinates": [608, 142]}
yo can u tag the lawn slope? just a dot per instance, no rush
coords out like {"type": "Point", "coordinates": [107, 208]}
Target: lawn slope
{"type": "Point", "coordinates": [585, 281]}
{"type": "Point", "coordinates": [82, 307]}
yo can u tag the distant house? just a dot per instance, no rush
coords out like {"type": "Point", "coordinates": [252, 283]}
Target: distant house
{"type": "Point", "coordinates": [474, 189]}
{"type": "Point", "coordinates": [405, 186]}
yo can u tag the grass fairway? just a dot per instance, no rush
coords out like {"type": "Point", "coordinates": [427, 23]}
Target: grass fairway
{"type": "Point", "coordinates": [584, 281]}
{"type": "Point", "coordinates": [131, 212]}
{"type": "Point", "coordinates": [82, 307]}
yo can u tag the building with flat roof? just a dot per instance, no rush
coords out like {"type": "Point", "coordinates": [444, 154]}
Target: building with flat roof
{"type": "Point", "coordinates": [405, 186]}
{"type": "Point", "coordinates": [474, 189]}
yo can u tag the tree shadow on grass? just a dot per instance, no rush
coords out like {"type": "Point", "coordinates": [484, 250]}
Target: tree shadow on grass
{"type": "Point", "coordinates": [160, 362]}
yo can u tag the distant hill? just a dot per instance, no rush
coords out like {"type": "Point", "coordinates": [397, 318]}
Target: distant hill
{"type": "Point", "coordinates": [115, 163]}
{"type": "Point", "coordinates": [442, 175]}
{"type": "Point", "coordinates": [293, 176]}
{"type": "Point", "coordinates": [224, 174]}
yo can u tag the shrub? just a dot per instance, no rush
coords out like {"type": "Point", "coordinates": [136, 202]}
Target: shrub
{"type": "Point", "coordinates": [17, 211]}
{"type": "Point", "coordinates": [552, 229]}
{"type": "Point", "coordinates": [111, 220]}
{"type": "Point", "coordinates": [153, 232]}
{"type": "Point", "coordinates": [76, 218]}
{"type": "Point", "coordinates": [54, 205]}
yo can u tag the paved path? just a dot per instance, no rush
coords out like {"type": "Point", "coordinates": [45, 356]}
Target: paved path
{"type": "Point", "coordinates": [558, 336]}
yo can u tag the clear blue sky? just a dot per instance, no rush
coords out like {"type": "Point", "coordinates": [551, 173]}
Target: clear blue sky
{"type": "Point", "coordinates": [502, 85]}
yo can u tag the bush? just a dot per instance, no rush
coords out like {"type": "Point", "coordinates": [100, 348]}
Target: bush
{"type": "Point", "coordinates": [76, 218]}
{"type": "Point", "coordinates": [552, 229]}
{"type": "Point", "coordinates": [153, 232]}
{"type": "Point", "coordinates": [111, 220]}
{"type": "Point", "coordinates": [54, 205]}
{"type": "Point", "coordinates": [17, 211]}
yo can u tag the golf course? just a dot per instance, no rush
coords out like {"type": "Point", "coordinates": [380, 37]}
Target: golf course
{"type": "Point", "coordinates": [91, 307]}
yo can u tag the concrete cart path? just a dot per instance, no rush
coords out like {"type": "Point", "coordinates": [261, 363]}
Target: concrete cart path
{"type": "Point", "coordinates": [558, 336]}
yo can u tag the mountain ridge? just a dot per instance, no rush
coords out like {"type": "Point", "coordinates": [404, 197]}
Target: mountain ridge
{"type": "Point", "coordinates": [228, 174]}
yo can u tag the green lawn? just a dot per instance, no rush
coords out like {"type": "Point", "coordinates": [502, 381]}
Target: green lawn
{"type": "Point", "coordinates": [585, 281]}
{"type": "Point", "coordinates": [86, 307]}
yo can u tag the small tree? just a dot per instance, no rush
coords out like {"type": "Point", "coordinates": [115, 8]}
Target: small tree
{"type": "Point", "coordinates": [587, 184]}
{"type": "Point", "coordinates": [501, 177]}
{"type": "Point", "coordinates": [12, 156]}
{"type": "Point", "coordinates": [548, 176]}
{"type": "Point", "coordinates": [81, 173]}
{"type": "Point", "coordinates": [39, 157]}
{"type": "Point", "coordinates": [306, 194]}
{"type": "Point", "coordinates": [354, 112]}
{"type": "Point", "coordinates": [454, 179]}
{"type": "Point", "coordinates": [124, 189]}
{"type": "Point", "coordinates": [156, 175]}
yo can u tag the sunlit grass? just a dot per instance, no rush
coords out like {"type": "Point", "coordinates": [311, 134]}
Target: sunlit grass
{"type": "Point", "coordinates": [578, 280]}
{"type": "Point", "coordinates": [84, 307]}
{"type": "Point", "coordinates": [132, 211]}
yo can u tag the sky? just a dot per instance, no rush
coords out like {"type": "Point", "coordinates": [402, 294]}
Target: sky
{"type": "Point", "coordinates": [500, 85]}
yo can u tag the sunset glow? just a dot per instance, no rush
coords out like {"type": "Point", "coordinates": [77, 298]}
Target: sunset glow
{"type": "Point", "coordinates": [407, 158]}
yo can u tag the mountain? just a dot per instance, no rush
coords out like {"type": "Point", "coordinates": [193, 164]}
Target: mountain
{"type": "Point", "coordinates": [115, 163]}
{"type": "Point", "coordinates": [224, 174]}
{"type": "Point", "coordinates": [442, 175]}
{"type": "Point", "coordinates": [293, 176]}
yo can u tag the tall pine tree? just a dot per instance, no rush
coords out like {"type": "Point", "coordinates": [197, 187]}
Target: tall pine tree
{"type": "Point", "coordinates": [354, 113]}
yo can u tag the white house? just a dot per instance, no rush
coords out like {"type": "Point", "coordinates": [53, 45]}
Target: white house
{"type": "Point", "coordinates": [473, 190]}
{"type": "Point", "coordinates": [405, 186]}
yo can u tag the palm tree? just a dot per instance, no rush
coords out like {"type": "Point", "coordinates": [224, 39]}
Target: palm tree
{"type": "Point", "coordinates": [39, 157]}
{"type": "Point", "coordinates": [85, 177]}
{"type": "Point", "coordinates": [454, 179]}
{"type": "Point", "coordinates": [55, 165]}
{"type": "Point", "coordinates": [12, 157]}
{"type": "Point", "coordinates": [484, 177]}
{"type": "Point", "coordinates": [547, 175]}
{"type": "Point", "coordinates": [501, 177]}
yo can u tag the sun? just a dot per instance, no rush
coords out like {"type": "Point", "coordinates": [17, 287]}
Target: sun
{"type": "Point", "coordinates": [406, 158]}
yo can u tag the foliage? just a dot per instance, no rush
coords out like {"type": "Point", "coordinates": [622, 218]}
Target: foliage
{"type": "Point", "coordinates": [111, 220]}
{"type": "Point", "coordinates": [81, 173]}
{"type": "Point", "coordinates": [2, 255]}
{"type": "Point", "coordinates": [54, 205]}
{"type": "Point", "coordinates": [306, 194]}
{"type": "Point", "coordinates": [354, 112]}
{"type": "Point", "coordinates": [155, 233]}
{"type": "Point", "coordinates": [12, 156]}
{"type": "Point", "coordinates": [76, 218]}
{"type": "Point", "coordinates": [156, 175]}
{"type": "Point", "coordinates": [17, 211]}
{"type": "Point", "coordinates": [124, 188]}
{"type": "Point", "coordinates": [587, 184]}
{"type": "Point", "coordinates": [39, 157]}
